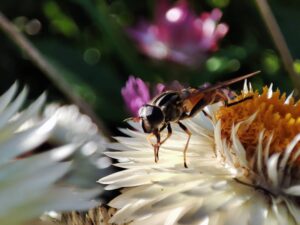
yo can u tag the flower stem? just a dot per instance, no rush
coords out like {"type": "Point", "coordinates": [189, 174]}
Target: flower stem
{"type": "Point", "coordinates": [48, 70]}
{"type": "Point", "coordinates": [279, 42]}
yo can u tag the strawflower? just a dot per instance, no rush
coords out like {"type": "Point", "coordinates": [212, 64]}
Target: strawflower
{"type": "Point", "coordinates": [75, 127]}
{"type": "Point", "coordinates": [178, 35]}
{"type": "Point", "coordinates": [243, 167]}
{"type": "Point", "coordinates": [32, 170]}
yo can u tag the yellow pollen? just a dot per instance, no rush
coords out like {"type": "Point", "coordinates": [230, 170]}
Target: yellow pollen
{"type": "Point", "coordinates": [274, 117]}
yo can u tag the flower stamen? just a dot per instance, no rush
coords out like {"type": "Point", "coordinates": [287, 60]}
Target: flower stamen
{"type": "Point", "coordinates": [275, 116]}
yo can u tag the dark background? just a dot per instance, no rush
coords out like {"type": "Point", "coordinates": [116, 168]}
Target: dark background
{"type": "Point", "coordinates": [86, 42]}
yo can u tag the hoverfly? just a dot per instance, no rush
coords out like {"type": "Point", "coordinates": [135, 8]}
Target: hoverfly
{"type": "Point", "coordinates": [175, 106]}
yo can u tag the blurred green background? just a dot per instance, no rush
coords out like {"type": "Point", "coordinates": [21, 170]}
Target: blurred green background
{"type": "Point", "coordinates": [86, 42]}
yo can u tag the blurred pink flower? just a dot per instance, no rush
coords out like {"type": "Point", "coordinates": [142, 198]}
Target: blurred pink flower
{"type": "Point", "coordinates": [137, 93]}
{"type": "Point", "coordinates": [178, 35]}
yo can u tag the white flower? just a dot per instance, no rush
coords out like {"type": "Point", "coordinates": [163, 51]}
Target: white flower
{"type": "Point", "coordinates": [31, 184]}
{"type": "Point", "coordinates": [74, 127]}
{"type": "Point", "coordinates": [242, 168]}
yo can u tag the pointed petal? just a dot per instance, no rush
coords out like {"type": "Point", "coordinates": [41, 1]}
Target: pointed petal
{"type": "Point", "coordinates": [13, 108]}
{"type": "Point", "coordinates": [272, 169]}
{"type": "Point", "coordinates": [25, 140]}
{"type": "Point", "coordinates": [6, 98]}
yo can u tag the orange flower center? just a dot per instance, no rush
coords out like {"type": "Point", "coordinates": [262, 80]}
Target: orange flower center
{"type": "Point", "coordinates": [274, 117]}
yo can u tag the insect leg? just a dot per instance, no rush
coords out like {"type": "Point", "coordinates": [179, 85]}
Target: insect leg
{"type": "Point", "coordinates": [198, 107]}
{"type": "Point", "coordinates": [157, 145]}
{"type": "Point", "coordinates": [209, 99]}
{"type": "Point", "coordinates": [149, 139]}
{"type": "Point", "coordinates": [206, 114]}
{"type": "Point", "coordinates": [219, 95]}
{"type": "Point", "coordinates": [169, 133]}
{"type": "Point", "coordinates": [153, 145]}
{"type": "Point", "coordinates": [163, 127]}
{"type": "Point", "coordinates": [186, 130]}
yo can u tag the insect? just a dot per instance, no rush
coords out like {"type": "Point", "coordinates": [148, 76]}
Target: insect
{"type": "Point", "coordinates": [175, 106]}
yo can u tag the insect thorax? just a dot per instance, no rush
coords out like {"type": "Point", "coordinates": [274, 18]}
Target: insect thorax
{"type": "Point", "coordinates": [171, 105]}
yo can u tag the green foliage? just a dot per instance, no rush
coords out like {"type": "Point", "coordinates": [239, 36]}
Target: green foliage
{"type": "Point", "coordinates": [218, 3]}
{"type": "Point", "coordinates": [270, 62]}
{"type": "Point", "coordinates": [59, 21]}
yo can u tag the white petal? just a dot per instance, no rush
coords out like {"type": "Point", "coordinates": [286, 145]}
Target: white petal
{"type": "Point", "coordinates": [6, 98]}
{"type": "Point", "coordinates": [280, 212]}
{"type": "Point", "coordinates": [126, 213]}
{"type": "Point", "coordinates": [259, 153]}
{"type": "Point", "coordinates": [218, 138]}
{"type": "Point", "coordinates": [238, 147]}
{"type": "Point", "coordinates": [13, 108]}
{"type": "Point", "coordinates": [272, 169]}
{"type": "Point", "coordinates": [35, 163]}
{"type": "Point", "coordinates": [258, 212]}
{"type": "Point", "coordinates": [270, 91]}
{"type": "Point", "coordinates": [287, 100]}
{"type": "Point", "coordinates": [25, 140]}
{"type": "Point", "coordinates": [62, 199]}
{"type": "Point", "coordinates": [27, 115]}
{"type": "Point", "coordinates": [267, 149]}
{"type": "Point", "coordinates": [293, 209]}
{"type": "Point", "coordinates": [250, 87]}
{"type": "Point", "coordinates": [245, 88]}
{"type": "Point", "coordinates": [287, 154]}
{"type": "Point", "coordinates": [211, 203]}
{"type": "Point", "coordinates": [293, 190]}
{"type": "Point", "coordinates": [22, 190]}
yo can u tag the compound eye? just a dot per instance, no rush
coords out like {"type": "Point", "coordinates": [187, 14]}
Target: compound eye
{"type": "Point", "coordinates": [147, 128]}
{"type": "Point", "coordinates": [151, 116]}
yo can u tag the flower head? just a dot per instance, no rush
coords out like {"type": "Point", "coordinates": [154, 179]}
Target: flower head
{"type": "Point", "coordinates": [177, 34]}
{"type": "Point", "coordinates": [74, 127]}
{"type": "Point", "coordinates": [243, 167]}
{"type": "Point", "coordinates": [31, 184]}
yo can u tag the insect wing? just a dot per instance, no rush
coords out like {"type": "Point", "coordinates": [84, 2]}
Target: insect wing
{"type": "Point", "coordinates": [192, 96]}
{"type": "Point", "coordinates": [227, 83]}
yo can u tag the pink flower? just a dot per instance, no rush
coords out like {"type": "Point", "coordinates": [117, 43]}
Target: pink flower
{"type": "Point", "coordinates": [177, 34]}
{"type": "Point", "coordinates": [137, 93]}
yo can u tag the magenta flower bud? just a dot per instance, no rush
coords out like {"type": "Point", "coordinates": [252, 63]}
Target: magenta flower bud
{"type": "Point", "coordinates": [137, 93]}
